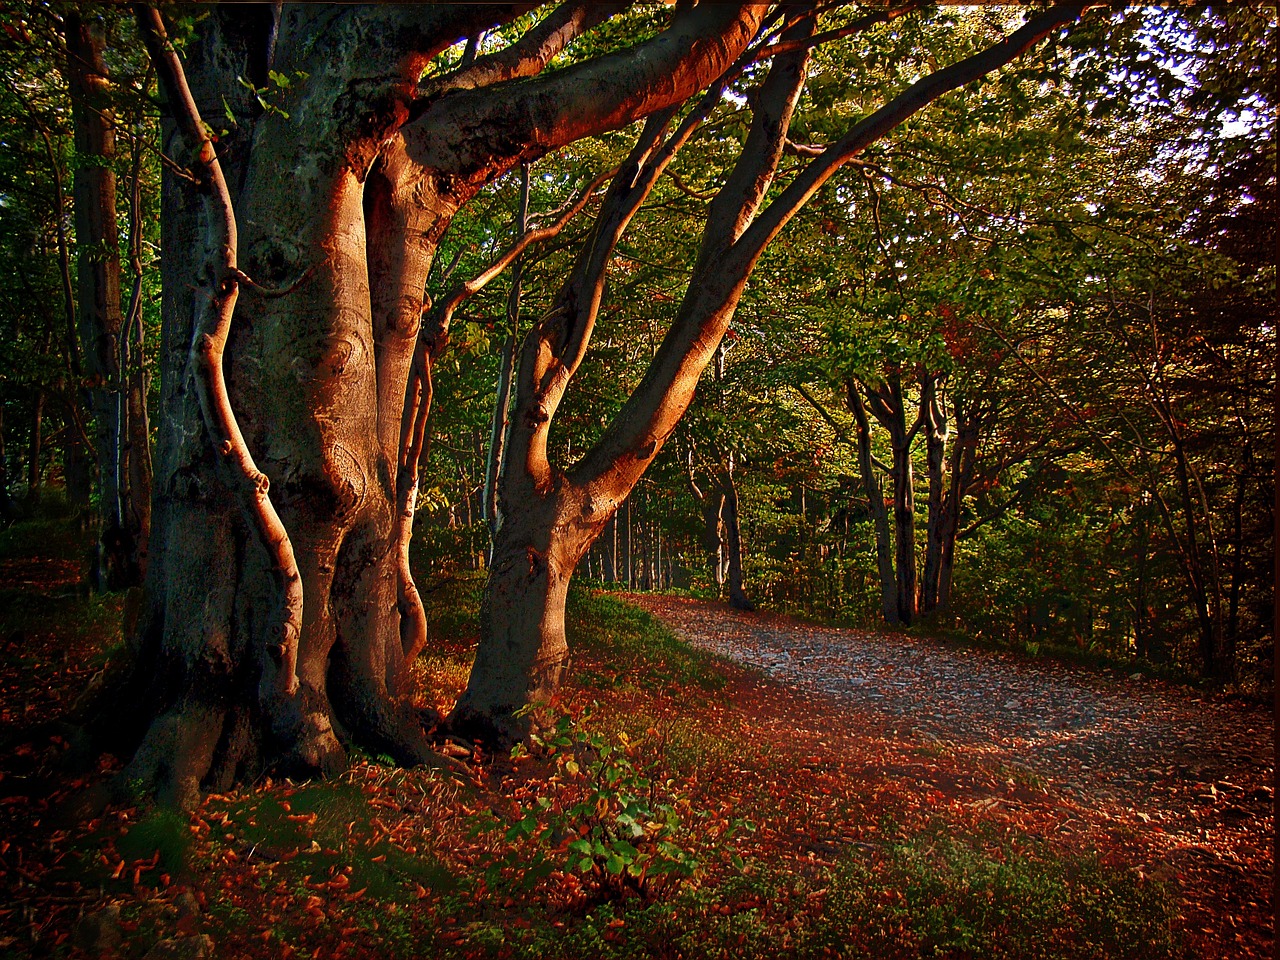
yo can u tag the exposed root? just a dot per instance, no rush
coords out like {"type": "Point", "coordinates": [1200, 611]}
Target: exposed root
{"type": "Point", "coordinates": [313, 748]}
{"type": "Point", "coordinates": [175, 756]}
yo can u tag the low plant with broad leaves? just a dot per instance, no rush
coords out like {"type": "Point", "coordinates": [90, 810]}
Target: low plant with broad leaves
{"type": "Point", "coordinates": [619, 822]}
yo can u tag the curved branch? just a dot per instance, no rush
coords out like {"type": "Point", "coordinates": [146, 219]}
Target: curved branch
{"type": "Point", "coordinates": [208, 345]}
{"type": "Point", "coordinates": [529, 55]}
{"type": "Point", "coordinates": [442, 313]}
{"type": "Point", "coordinates": [919, 95]}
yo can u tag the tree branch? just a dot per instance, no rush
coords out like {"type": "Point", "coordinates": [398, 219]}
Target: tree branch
{"type": "Point", "coordinates": [529, 55]}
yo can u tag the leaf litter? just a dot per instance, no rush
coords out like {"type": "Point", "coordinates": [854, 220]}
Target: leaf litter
{"type": "Point", "coordinates": [826, 741]}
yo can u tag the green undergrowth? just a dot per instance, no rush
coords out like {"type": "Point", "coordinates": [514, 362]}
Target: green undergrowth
{"type": "Point", "coordinates": [625, 647]}
{"type": "Point", "coordinates": [943, 893]}
{"type": "Point", "coordinates": [453, 609]}
{"type": "Point", "coordinates": [1088, 657]}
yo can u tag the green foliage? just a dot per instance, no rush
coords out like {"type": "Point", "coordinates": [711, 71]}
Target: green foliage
{"type": "Point", "coordinates": [620, 819]}
{"type": "Point", "coordinates": [937, 894]}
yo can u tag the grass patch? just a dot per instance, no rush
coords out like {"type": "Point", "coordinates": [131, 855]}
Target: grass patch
{"type": "Point", "coordinates": [324, 829]}
{"type": "Point", "coordinates": [626, 646]}
{"type": "Point", "coordinates": [942, 894]}
{"type": "Point", "coordinates": [164, 832]}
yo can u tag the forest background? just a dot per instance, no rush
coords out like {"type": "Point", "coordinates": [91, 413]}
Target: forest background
{"type": "Point", "coordinates": [1010, 374]}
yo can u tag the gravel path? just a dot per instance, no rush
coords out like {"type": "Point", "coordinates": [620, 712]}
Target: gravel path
{"type": "Point", "coordinates": [1192, 770]}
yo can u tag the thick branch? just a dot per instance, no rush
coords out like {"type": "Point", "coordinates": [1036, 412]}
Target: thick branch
{"type": "Point", "coordinates": [524, 119]}
{"type": "Point", "coordinates": [650, 414]}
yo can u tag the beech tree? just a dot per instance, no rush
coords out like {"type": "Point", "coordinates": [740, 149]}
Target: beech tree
{"type": "Point", "coordinates": [297, 373]}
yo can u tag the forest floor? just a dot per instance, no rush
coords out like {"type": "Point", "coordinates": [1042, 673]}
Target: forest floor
{"type": "Point", "coordinates": [821, 793]}
{"type": "Point", "coordinates": [1180, 777]}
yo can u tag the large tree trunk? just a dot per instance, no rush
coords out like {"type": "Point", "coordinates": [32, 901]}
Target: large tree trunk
{"type": "Point", "coordinates": [524, 654]}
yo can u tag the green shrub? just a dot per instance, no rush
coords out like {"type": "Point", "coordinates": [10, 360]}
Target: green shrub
{"type": "Point", "coordinates": [620, 820]}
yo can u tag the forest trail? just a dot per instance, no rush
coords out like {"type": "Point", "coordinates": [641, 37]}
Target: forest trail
{"type": "Point", "coordinates": [1184, 775]}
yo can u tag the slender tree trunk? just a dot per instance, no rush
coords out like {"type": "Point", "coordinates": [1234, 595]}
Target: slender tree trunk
{"type": "Point", "coordinates": [101, 321]}
{"type": "Point", "coordinates": [887, 404]}
{"type": "Point", "coordinates": [904, 525]}
{"type": "Point", "coordinates": [77, 469]}
{"type": "Point", "coordinates": [506, 372]}
{"type": "Point", "coordinates": [1142, 644]}
{"type": "Point", "coordinates": [136, 451]}
{"type": "Point", "coordinates": [936, 531]}
{"type": "Point", "coordinates": [875, 506]}
{"type": "Point", "coordinates": [964, 455]}
{"type": "Point", "coordinates": [733, 540]}
{"type": "Point", "coordinates": [8, 506]}
{"type": "Point", "coordinates": [613, 549]}
{"type": "Point", "coordinates": [631, 555]}
{"type": "Point", "coordinates": [35, 446]}
{"type": "Point", "coordinates": [1232, 631]}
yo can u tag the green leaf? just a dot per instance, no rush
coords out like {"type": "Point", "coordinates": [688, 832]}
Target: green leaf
{"type": "Point", "coordinates": [625, 849]}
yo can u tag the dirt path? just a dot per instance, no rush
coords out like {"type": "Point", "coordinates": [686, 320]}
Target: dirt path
{"type": "Point", "coordinates": [1187, 775]}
